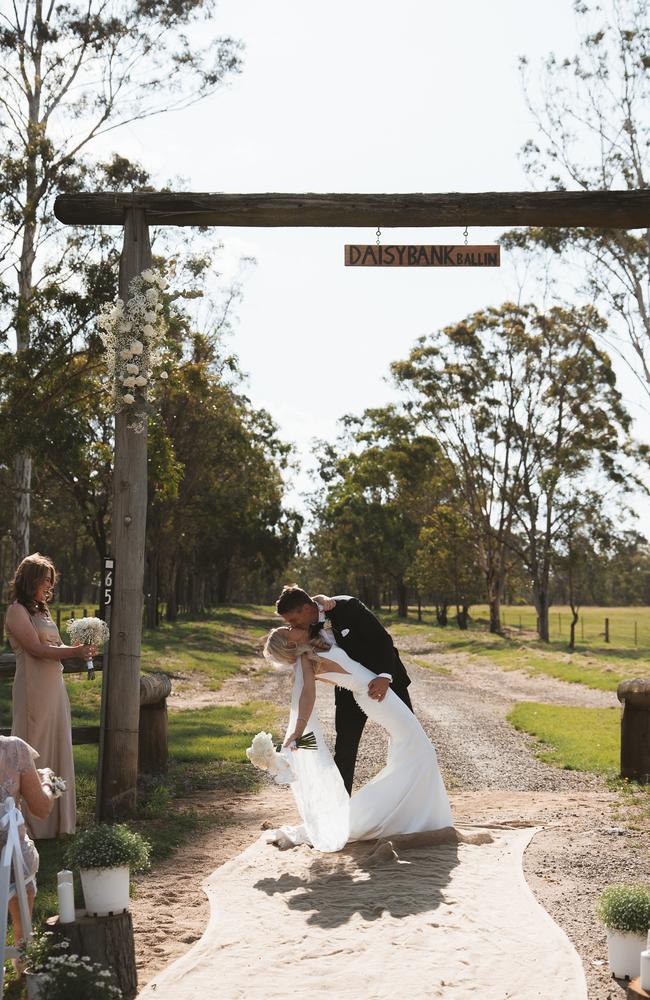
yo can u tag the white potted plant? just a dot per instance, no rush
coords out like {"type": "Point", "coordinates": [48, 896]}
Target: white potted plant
{"type": "Point", "coordinates": [104, 855]}
{"type": "Point", "coordinates": [625, 912]}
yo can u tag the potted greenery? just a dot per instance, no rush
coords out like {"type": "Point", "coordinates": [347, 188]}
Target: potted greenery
{"type": "Point", "coordinates": [104, 854]}
{"type": "Point", "coordinates": [625, 912]}
{"type": "Point", "coordinates": [53, 974]}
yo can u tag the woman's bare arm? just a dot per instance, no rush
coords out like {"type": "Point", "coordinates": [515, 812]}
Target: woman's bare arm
{"type": "Point", "coordinates": [20, 625]}
{"type": "Point", "coordinates": [37, 796]}
{"type": "Point", "coordinates": [307, 699]}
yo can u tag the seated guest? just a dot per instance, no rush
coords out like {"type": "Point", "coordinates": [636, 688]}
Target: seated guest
{"type": "Point", "coordinates": [19, 779]}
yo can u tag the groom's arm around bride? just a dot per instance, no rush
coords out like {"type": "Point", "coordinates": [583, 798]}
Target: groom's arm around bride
{"type": "Point", "coordinates": [356, 630]}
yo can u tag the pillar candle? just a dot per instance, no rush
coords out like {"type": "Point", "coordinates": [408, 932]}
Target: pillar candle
{"type": "Point", "coordinates": [65, 893]}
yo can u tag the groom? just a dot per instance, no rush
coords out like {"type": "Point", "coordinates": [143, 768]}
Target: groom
{"type": "Point", "coordinates": [350, 625]}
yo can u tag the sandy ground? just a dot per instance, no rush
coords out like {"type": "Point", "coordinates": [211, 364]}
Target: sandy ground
{"type": "Point", "coordinates": [587, 841]}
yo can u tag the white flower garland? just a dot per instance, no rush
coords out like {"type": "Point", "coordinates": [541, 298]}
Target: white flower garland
{"type": "Point", "coordinates": [132, 334]}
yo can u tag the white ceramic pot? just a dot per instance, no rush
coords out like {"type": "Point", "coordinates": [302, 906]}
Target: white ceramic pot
{"type": "Point", "coordinates": [106, 890]}
{"type": "Point", "coordinates": [624, 953]}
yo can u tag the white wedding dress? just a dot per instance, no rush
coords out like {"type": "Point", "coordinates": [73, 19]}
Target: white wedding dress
{"type": "Point", "coordinates": [407, 796]}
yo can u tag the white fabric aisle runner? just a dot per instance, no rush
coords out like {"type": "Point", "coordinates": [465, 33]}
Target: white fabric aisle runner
{"type": "Point", "coordinates": [452, 920]}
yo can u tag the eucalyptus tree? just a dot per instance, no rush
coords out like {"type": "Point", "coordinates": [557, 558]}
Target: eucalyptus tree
{"type": "Point", "coordinates": [69, 74]}
{"type": "Point", "coordinates": [525, 407]}
{"type": "Point", "coordinates": [591, 110]}
{"type": "Point", "coordinates": [379, 481]}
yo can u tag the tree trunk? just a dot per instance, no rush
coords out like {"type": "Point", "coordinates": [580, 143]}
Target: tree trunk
{"type": "Point", "coordinates": [402, 600]}
{"type": "Point", "coordinates": [462, 617]}
{"type": "Point", "coordinates": [495, 615]}
{"type": "Point", "coordinates": [572, 627]}
{"type": "Point", "coordinates": [108, 941]}
{"type": "Point", "coordinates": [441, 615]}
{"type": "Point", "coordinates": [22, 504]}
{"type": "Point", "coordinates": [171, 609]}
{"type": "Point", "coordinates": [118, 762]}
{"type": "Point", "coordinates": [541, 603]}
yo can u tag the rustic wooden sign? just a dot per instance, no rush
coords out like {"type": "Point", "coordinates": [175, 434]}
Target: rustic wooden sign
{"type": "Point", "coordinates": [421, 255]}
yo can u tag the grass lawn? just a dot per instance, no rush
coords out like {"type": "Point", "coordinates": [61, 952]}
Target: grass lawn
{"type": "Point", "coordinates": [595, 665]}
{"type": "Point", "coordinates": [578, 739]}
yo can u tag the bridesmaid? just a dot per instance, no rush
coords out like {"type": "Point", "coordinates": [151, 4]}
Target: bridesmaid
{"type": "Point", "coordinates": [41, 710]}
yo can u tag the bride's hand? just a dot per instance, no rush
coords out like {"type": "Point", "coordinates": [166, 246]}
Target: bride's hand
{"type": "Point", "coordinates": [292, 739]}
{"type": "Point", "coordinates": [326, 603]}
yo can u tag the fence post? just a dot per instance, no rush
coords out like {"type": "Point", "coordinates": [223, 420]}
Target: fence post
{"type": "Point", "coordinates": [559, 623]}
{"type": "Point", "coordinates": [635, 729]}
{"type": "Point", "coordinates": [582, 626]}
{"type": "Point", "coordinates": [635, 635]}
{"type": "Point", "coordinates": [520, 623]}
{"type": "Point", "coordinates": [607, 630]}
{"type": "Point", "coordinates": [2, 627]}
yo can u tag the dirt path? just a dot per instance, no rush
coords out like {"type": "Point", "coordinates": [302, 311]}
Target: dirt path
{"type": "Point", "coordinates": [493, 777]}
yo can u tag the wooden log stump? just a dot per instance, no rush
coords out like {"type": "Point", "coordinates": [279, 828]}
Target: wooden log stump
{"type": "Point", "coordinates": [635, 729]}
{"type": "Point", "coordinates": [108, 941]}
{"type": "Point", "coordinates": [152, 739]}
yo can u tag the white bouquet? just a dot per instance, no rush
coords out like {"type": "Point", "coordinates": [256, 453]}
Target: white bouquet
{"type": "Point", "coordinates": [57, 784]}
{"type": "Point", "coordinates": [263, 754]}
{"type": "Point", "coordinates": [88, 632]}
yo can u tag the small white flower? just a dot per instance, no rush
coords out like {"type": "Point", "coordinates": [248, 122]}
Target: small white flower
{"type": "Point", "coordinates": [159, 307]}
{"type": "Point", "coordinates": [150, 317]}
{"type": "Point", "coordinates": [164, 375]}
{"type": "Point", "coordinates": [132, 369]}
{"type": "Point", "coordinates": [128, 398]}
{"type": "Point", "coordinates": [129, 382]}
{"type": "Point", "coordinates": [141, 380]}
{"type": "Point", "coordinates": [151, 296]}
{"type": "Point", "coordinates": [125, 327]}
{"type": "Point", "coordinates": [149, 275]}
{"type": "Point", "coordinates": [125, 354]}
{"type": "Point", "coordinates": [137, 347]}
{"type": "Point", "coordinates": [148, 331]}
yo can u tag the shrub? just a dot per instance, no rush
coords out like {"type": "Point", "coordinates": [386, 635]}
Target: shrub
{"type": "Point", "coordinates": [625, 908]}
{"type": "Point", "coordinates": [64, 976]}
{"type": "Point", "coordinates": [109, 846]}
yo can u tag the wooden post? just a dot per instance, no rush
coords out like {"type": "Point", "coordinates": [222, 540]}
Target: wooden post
{"type": "Point", "coordinates": [108, 941]}
{"type": "Point", "coordinates": [154, 691]}
{"type": "Point", "coordinates": [607, 630]}
{"type": "Point", "coordinates": [635, 729]}
{"type": "Point", "coordinates": [119, 764]}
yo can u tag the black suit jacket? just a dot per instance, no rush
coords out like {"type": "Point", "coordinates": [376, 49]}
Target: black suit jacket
{"type": "Point", "coordinates": [365, 639]}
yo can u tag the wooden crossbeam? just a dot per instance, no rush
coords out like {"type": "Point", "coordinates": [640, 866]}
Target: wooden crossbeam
{"type": "Point", "coordinates": [592, 209]}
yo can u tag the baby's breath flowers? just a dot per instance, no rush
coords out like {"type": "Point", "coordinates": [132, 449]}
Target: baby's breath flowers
{"type": "Point", "coordinates": [132, 333]}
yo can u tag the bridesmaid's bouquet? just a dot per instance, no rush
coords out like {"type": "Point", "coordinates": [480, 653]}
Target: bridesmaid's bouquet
{"type": "Point", "coordinates": [57, 785]}
{"type": "Point", "coordinates": [88, 632]}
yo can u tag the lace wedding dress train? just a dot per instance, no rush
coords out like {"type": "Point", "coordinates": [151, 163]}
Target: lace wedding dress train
{"type": "Point", "coordinates": [407, 796]}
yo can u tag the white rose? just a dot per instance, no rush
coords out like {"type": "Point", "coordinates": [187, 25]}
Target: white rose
{"type": "Point", "coordinates": [150, 317]}
{"type": "Point", "coordinates": [125, 327]}
{"type": "Point", "coordinates": [148, 275]}
{"type": "Point", "coordinates": [129, 382]}
{"type": "Point", "coordinates": [148, 331]}
{"type": "Point", "coordinates": [164, 375]}
{"type": "Point", "coordinates": [125, 355]}
{"type": "Point", "coordinates": [137, 347]}
{"type": "Point", "coordinates": [132, 369]}
{"type": "Point", "coordinates": [128, 398]}
{"type": "Point", "coordinates": [151, 295]}
{"type": "Point", "coordinates": [159, 307]}
{"type": "Point", "coordinates": [141, 380]}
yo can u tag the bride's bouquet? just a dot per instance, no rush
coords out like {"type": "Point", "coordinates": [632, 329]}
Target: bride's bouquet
{"type": "Point", "coordinates": [88, 632]}
{"type": "Point", "coordinates": [268, 756]}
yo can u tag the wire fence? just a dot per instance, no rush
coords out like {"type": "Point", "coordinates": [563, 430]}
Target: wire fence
{"type": "Point", "coordinates": [623, 627]}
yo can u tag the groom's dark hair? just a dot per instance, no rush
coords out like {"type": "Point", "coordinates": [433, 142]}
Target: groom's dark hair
{"type": "Point", "coordinates": [291, 598]}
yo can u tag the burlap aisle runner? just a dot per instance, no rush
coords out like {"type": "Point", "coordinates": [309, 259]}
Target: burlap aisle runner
{"type": "Point", "coordinates": [420, 920]}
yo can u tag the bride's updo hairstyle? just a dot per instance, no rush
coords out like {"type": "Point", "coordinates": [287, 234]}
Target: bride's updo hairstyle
{"type": "Point", "coordinates": [278, 651]}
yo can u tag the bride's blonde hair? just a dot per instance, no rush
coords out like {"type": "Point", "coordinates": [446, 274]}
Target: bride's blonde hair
{"type": "Point", "coordinates": [278, 651]}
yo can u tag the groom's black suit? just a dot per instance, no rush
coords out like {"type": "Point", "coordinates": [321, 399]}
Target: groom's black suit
{"type": "Point", "coordinates": [366, 641]}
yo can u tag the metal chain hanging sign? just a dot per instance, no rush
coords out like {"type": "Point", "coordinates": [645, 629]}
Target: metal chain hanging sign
{"type": "Point", "coordinates": [421, 254]}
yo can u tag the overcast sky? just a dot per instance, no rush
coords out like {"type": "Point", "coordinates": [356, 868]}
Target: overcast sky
{"type": "Point", "coordinates": [356, 95]}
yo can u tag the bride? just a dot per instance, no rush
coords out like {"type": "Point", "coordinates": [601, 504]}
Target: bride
{"type": "Point", "coordinates": [407, 796]}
